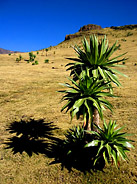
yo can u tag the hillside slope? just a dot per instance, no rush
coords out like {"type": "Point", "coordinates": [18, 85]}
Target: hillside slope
{"type": "Point", "coordinates": [30, 92]}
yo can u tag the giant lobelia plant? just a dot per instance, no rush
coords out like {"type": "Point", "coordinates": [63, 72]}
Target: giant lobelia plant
{"type": "Point", "coordinates": [93, 74]}
{"type": "Point", "coordinates": [86, 96]}
{"type": "Point", "coordinates": [97, 57]}
{"type": "Point", "coordinates": [111, 143]}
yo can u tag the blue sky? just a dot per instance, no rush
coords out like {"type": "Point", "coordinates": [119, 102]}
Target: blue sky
{"type": "Point", "coordinates": [27, 25]}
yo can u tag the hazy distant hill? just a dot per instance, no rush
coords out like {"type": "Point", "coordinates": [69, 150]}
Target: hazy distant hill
{"type": "Point", "coordinates": [4, 51]}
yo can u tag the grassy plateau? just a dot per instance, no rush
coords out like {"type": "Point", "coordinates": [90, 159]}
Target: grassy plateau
{"type": "Point", "coordinates": [29, 103]}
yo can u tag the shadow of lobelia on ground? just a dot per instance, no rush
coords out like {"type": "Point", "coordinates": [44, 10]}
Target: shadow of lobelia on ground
{"type": "Point", "coordinates": [32, 136]}
{"type": "Point", "coordinates": [37, 136]}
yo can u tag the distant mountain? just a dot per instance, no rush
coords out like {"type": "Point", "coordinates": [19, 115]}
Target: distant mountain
{"type": "Point", "coordinates": [4, 51]}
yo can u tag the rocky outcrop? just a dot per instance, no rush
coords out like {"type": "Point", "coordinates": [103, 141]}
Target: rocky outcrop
{"type": "Point", "coordinates": [90, 27]}
{"type": "Point", "coordinates": [132, 26]}
{"type": "Point", "coordinates": [68, 37]}
{"type": "Point", "coordinates": [82, 29]}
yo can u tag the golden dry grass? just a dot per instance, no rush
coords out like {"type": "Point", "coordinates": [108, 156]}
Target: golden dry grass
{"type": "Point", "coordinates": [28, 91]}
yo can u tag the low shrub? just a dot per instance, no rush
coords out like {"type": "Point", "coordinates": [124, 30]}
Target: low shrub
{"type": "Point", "coordinates": [17, 59]}
{"type": "Point", "coordinates": [124, 40]}
{"type": "Point", "coordinates": [46, 61]}
{"type": "Point", "coordinates": [20, 57]}
{"type": "Point", "coordinates": [32, 56]}
{"type": "Point", "coordinates": [129, 34]}
{"type": "Point", "coordinates": [73, 153]}
{"type": "Point", "coordinates": [119, 47]}
{"type": "Point", "coordinates": [46, 51]}
{"type": "Point", "coordinates": [35, 63]}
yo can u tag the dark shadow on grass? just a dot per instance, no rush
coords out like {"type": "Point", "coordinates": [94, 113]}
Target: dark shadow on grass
{"type": "Point", "coordinates": [79, 158]}
{"type": "Point", "coordinates": [32, 136]}
{"type": "Point", "coordinates": [36, 136]}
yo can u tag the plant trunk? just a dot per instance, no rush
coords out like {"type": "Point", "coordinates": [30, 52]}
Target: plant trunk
{"type": "Point", "coordinates": [95, 119]}
{"type": "Point", "coordinates": [87, 125]}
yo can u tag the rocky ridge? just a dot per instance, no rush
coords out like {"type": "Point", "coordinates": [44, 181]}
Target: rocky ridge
{"type": "Point", "coordinates": [93, 27]}
{"type": "Point", "coordinates": [83, 29]}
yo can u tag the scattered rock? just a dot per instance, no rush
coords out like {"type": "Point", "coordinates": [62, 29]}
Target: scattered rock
{"type": "Point", "coordinates": [54, 67]}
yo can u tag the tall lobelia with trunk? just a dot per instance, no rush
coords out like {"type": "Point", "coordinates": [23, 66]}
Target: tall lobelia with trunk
{"type": "Point", "coordinates": [93, 74]}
